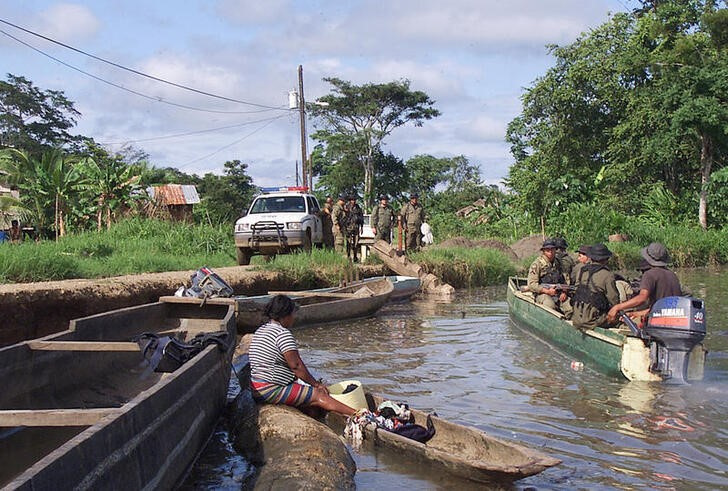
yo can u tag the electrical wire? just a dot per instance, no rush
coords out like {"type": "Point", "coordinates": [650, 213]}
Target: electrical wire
{"type": "Point", "coordinates": [189, 133]}
{"type": "Point", "coordinates": [126, 89]}
{"type": "Point", "coordinates": [142, 74]}
{"type": "Point", "coordinates": [190, 162]}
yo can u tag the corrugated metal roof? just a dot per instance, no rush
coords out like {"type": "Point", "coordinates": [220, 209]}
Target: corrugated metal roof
{"type": "Point", "coordinates": [175, 194]}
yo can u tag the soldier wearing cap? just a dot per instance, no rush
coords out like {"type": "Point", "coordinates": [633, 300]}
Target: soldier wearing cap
{"type": "Point", "coordinates": [413, 216]}
{"type": "Point", "coordinates": [338, 216]}
{"type": "Point", "coordinates": [596, 290]}
{"type": "Point", "coordinates": [582, 258]}
{"type": "Point", "coordinates": [657, 282]}
{"type": "Point", "coordinates": [567, 262]}
{"type": "Point", "coordinates": [546, 270]}
{"type": "Point", "coordinates": [382, 220]}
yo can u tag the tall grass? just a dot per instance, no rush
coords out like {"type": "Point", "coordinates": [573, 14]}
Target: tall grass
{"type": "Point", "coordinates": [307, 269]}
{"type": "Point", "coordinates": [466, 267]}
{"type": "Point", "coordinates": [131, 246]}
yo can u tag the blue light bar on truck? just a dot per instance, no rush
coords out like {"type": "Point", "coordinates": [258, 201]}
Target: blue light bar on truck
{"type": "Point", "coordinates": [278, 189]}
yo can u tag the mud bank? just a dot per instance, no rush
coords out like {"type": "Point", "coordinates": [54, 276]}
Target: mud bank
{"type": "Point", "coordinates": [31, 310]}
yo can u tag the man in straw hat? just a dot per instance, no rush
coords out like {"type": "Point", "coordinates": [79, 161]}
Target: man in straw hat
{"type": "Point", "coordinates": [546, 270]}
{"type": "Point", "coordinates": [596, 289]}
{"type": "Point", "coordinates": [657, 282]}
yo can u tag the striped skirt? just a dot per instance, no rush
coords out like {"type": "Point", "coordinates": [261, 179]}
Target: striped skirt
{"type": "Point", "coordinates": [291, 395]}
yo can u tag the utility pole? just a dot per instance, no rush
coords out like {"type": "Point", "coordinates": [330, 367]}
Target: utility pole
{"type": "Point", "coordinates": [305, 166]}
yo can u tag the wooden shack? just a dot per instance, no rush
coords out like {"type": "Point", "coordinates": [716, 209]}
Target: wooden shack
{"type": "Point", "coordinates": [176, 199]}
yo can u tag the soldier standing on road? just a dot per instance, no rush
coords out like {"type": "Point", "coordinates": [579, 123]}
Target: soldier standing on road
{"type": "Point", "coordinates": [338, 216]}
{"type": "Point", "coordinates": [327, 223]}
{"type": "Point", "coordinates": [596, 290]}
{"type": "Point", "coordinates": [382, 220]}
{"type": "Point", "coordinates": [413, 216]}
{"type": "Point", "coordinates": [354, 222]}
{"type": "Point", "coordinates": [545, 270]}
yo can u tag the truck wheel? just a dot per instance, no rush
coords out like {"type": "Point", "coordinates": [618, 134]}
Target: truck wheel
{"type": "Point", "coordinates": [307, 241]}
{"type": "Point", "coordinates": [243, 256]}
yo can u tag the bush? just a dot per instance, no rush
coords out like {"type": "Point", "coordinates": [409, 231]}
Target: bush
{"type": "Point", "coordinates": [466, 267]}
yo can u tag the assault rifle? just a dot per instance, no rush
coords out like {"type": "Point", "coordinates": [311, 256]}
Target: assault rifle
{"type": "Point", "coordinates": [559, 287]}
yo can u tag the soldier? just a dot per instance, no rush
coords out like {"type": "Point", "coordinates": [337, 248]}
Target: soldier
{"type": "Point", "coordinates": [596, 290]}
{"type": "Point", "coordinates": [567, 262]}
{"type": "Point", "coordinates": [382, 220]}
{"type": "Point", "coordinates": [582, 257]}
{"type": "Point", "coordinates": [413, 216]}
{"type": "Point", "coordinates": [545, 270]}
{"type": "Point", "coordinates": [354, 222]}
{"type": "Point", "coordinates": [327, 223]}
{"type": "Point", "coordinates": [337, 219]}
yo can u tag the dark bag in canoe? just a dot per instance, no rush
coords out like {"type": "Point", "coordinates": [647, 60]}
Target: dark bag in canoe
{"type": "Point", "coordinates": [416, 432]}
{"type": "Point", "coordinates": [166, 354]}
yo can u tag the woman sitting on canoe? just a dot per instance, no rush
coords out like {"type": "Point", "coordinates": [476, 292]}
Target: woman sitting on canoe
{"type": "Point", "coordinates": [275, 364]}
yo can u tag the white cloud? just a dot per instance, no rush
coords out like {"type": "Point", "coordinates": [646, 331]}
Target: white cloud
{"type": "Point", "coordinates": [255, 12]}
{"type": "Point", "coordinates": [68, 22]}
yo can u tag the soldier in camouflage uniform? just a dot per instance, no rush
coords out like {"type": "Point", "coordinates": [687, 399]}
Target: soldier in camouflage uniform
{"type": "Point", "coordinates": [567, 262]}
{"type": "Point", "coordinates": [352, 230]}
{"type": "Point", "coordinates": [413, 216]}
{"type": "Point", "coordinates": [327, 223]}
{"type": "Point", "coordinates": [338, 216]}
{"type": "Point", "coordinates": [382, 220]}
{"type": "Point", "coordinates": [596, 290]}
{"type": "Point", "coordinates": [546, 270]}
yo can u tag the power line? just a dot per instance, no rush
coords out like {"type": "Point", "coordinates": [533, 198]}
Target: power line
{"type": "Point", "coordinates": [190, 162]}
{"type": "Point", "coordinates": [126, 89]}
{"type": "Point", "coordinates": [137, 72]}
{"type": "Point", "coordinates": [209, 130]}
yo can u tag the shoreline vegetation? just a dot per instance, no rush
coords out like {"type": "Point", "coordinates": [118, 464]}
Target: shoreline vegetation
{"type": "Point", "coordinates": [138, 246]}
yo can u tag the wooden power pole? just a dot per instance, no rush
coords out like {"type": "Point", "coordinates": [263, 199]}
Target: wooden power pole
{"type": "Point", "coordinates": [305, 164]}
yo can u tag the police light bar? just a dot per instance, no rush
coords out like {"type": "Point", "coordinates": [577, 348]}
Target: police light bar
{"type": "Point", "coordinates": [278, 189]}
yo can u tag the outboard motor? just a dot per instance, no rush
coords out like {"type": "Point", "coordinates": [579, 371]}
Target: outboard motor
{"type": "Point", "coordinates": [675, 325]}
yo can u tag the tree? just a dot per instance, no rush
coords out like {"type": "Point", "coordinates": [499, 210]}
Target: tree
{"type": "Point", "coordinates": [108, 182]}
{"type": "Point", "coordinates": [355, 119]}
{"type": "Point", "coordinates": [48, 182]}
{"type": "Point", "coordinates": [226, 197]}
{"type": "Point", "coordinates": [32, 119]}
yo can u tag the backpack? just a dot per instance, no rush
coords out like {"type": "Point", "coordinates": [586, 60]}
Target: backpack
{"type": "Point", "coordinates": [206, 284]}
{"type": "Point", "coordinates": [166, 354]}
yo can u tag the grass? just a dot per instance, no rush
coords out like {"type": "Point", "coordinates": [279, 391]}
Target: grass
{"type": "Point", "coordinates": [132, 246]}
{"type": "Point", "coordinates": [307, 269]}
{"type": "Point", "coordinates": [466, 267]}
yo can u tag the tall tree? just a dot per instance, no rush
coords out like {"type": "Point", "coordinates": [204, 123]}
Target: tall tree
{"type": "Point", "coordinates": [354, 120]}
{"type": "Point", "coordinates": [32, 119]}
{"type": "Point", "coordinates": [226, 197]}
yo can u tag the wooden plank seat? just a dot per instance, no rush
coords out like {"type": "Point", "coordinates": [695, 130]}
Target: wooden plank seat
{"type": "Point", "coordinates": [53, 417]}
{"type": "Point", "coordinates": [83, 346]}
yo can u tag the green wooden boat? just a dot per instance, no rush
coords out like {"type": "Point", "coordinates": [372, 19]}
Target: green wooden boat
{"type": "Point", "coordinates": [616, 352]}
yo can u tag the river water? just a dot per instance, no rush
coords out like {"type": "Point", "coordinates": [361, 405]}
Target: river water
{"type": "Point", "coordinates": [468, 362]}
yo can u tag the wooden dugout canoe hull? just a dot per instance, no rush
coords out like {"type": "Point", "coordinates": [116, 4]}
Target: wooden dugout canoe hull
{"type": "Point", "coordinates": [460, 450]}
{"type": "Point", "coordinates": [314, 309]}
{"type": "Point", "coordinates": [156, 424]}
{"type": "Point", "coordinates": [610, 351]}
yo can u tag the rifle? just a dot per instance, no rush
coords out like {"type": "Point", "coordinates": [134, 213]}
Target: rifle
{"type": "Point", "coordinates": [559, 287]}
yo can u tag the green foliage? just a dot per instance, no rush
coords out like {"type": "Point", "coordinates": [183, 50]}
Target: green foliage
{"type": "Point", "coordinates": [718, 198]}
{"type": "Point", "coordinates": [131, 246]}
{"type": "Point", "coordinates": [305, 270]}
{"type": "Point", "coordinates": [640, 101]}
{"type": "Point", "coordinates": [226, 197]}
{"type": "Point", "coordinates": [32, 119]}
{"type": "Point", "coordinates": [465, 267]}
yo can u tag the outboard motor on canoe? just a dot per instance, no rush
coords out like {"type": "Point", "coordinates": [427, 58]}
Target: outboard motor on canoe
{"type": "Point", "coordinates": [675, 325]}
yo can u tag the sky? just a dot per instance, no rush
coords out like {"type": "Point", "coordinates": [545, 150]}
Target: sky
{"type": "Point", "coordinates": [474, 58]}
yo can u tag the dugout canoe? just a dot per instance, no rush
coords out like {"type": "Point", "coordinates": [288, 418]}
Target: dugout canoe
{"type": "Point", "coordinates": [404, 286]}
{"type": "Point", "coordinates": [615, 352]}
{"type": "Point", "coordinates": [316, 306]}
{"type": "Point", "coordinates": [81, 409]}
{"type": "Point", "coordinates": [459, 450]}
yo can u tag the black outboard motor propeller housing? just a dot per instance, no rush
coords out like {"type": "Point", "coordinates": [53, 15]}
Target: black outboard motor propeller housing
{"type": "Point", "coordinates": [675, 325]}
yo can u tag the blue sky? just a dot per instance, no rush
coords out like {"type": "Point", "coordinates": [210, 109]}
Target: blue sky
{"type": "Point", "coordinates": [473, 57]}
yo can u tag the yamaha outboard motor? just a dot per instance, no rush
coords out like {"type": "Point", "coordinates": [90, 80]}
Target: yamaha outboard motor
{"type": "Point", "coordinates": [675, 325]}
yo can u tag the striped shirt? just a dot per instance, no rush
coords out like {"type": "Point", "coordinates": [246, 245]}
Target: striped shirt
{"type": "Point", "coordinates": [267, 363]}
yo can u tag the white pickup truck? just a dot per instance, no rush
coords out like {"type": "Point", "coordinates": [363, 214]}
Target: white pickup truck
{"type": "Point", "coordinates": [278, 222]}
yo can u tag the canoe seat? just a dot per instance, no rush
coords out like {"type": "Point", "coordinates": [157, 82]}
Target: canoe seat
{"type": "Point", "coordinates": [53, 417]}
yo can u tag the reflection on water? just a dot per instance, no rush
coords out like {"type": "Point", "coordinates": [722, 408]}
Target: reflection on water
{"type": "Point", "coordinates": [466, 361]}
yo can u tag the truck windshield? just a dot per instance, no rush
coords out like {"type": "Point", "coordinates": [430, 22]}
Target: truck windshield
{"type": "Point", "coordinates": [279, 204]}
